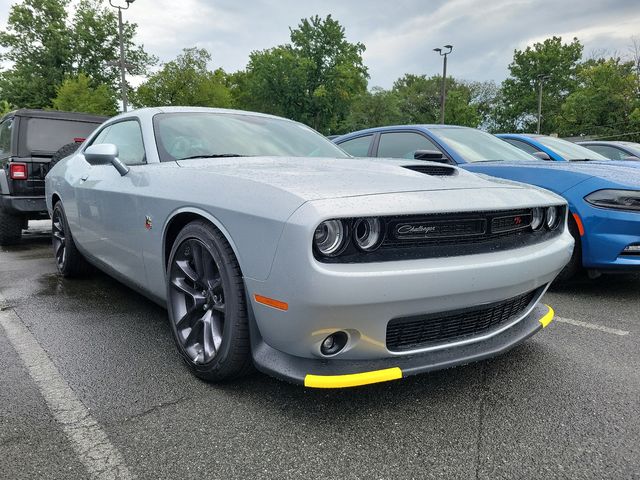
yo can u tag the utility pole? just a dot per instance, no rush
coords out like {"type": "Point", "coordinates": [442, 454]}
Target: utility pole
{"type": "Point", "coordinates": [123, 65]}
{"type": "Point", "coordinates": [541, 80]}
{"type": "Point", "coordinates": [443, 92]}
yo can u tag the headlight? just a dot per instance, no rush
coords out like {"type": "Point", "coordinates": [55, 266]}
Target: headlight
{"type": "Point", "coordinates": [537, 218]}
{"type": "Point", "coordinates": [618, 199]}
{"type": "Point", "coordinates": [553, 217]}
{"type": "Point", "coordinates": [330, 237]}
{"type": "Point", "coordinates": [367, 233]}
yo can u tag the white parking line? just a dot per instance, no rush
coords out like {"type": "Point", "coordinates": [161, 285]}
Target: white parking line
{"type": "Point", "coordinates": [592, 326]}
{"type": "Point", "coordinates": [90, 443]}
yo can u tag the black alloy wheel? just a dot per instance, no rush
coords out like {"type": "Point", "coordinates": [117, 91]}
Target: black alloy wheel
{"type": "Point", "coordinates": [207, 305]}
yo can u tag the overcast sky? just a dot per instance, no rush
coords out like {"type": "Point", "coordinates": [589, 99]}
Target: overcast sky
{"type": "Point", "coordinates": [399, 34]}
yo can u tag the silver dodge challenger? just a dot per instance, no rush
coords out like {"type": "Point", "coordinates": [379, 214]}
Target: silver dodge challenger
{"type": "Point", "coordinates": [271, 247]}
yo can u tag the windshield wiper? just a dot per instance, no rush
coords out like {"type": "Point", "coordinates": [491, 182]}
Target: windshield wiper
{"type": "Point", "coordinates": [214, 155]}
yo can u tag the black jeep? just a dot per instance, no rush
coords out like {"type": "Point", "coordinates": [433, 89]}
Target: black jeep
{"type": "Point", "coordinates": [29, 140]}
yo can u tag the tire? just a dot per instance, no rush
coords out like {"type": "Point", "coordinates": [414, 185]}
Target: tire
{"type": "Point", "coordinates": [10, 228]}
{"type": "Point", "coordinates": [574, 267]}
{"type": "Point", "coordinates": [207, 305]}
{"type": "Point", "coordinates": [63, 152]}
{"type": "Point", "coordinates": [69, 260]}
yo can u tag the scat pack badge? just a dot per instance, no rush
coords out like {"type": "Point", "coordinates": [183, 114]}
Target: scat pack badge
{"type": "Point", "coordinates": [148, 223]}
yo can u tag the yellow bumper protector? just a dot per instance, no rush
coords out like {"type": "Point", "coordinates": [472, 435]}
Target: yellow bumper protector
{"type": "Point", "coordinates": [546, 320]}
{"type": "Point", "coordinates": [352, 380]}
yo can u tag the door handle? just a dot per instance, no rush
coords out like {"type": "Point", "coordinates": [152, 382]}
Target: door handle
{"type": "Point", "coordinates": [84, 177]}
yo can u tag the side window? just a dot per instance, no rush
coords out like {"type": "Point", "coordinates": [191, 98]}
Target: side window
{"type": "Point", "coordinates": [609, 152]}
{"type": "Point", "coordinates": [128, 138]}
{"type": "Point", "coordinates": [6, 128]}
{"type": "Point", "coordinates": [403, 144]}
{"type": "Point", "coordinates": [358, 147]}
{"type": "Point", "coordinates": [524, 146]}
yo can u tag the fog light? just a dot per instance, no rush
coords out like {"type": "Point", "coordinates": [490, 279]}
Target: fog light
{"type": "Point", "coordinates": [334, 343]}
{"type": "Point", "coordinates": [631, 250]}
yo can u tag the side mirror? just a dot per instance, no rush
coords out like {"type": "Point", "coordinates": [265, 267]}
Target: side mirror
{"type": "Point", "coordinates": [631, 158]}
{"type": "Point", "coordinates": [542, 155]}
{"type": "Point", "coordinates": [430, 155]}
{"type": "Point", "coordinates": [105, 154]}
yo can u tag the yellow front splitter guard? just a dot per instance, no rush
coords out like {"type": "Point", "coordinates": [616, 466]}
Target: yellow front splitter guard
{"type": "Point", "coordinates": [377, 376]}
{"type": "Point", "coordinates": [352, 380]}
{"type": "Point", "coordinates": [546, 320]}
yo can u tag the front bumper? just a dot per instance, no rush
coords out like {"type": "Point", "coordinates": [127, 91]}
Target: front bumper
{"type": "Point", "coordinates": [607, 233]}
{"type": "Point", "coordinates": [317, 373]}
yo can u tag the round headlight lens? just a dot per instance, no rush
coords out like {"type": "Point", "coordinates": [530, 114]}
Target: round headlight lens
{"type": "Point", "coordinates": [368, 233]}
{"type": "Point", "coordinates": [329, 237]}
{"type": "Point", "coordinates": [537, 218]}
{"type": "Point", "coordinates": [553, 218]}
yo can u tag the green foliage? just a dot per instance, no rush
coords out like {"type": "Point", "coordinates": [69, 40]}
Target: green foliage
{"type": "Point", "coordinates": [604, 101]}
{"type": "Point", "coordinates": [185, 81]}
{"type": "Point", "coordinates": [96, 48]}
{"type": "Point", "coordinates": [37, 42]}
{"type": "Point", "coordinates": [373, 109]}
{"type": "Point", "coordinates": [313, 80]}
{"type": "Point", "coordinates": [5, 107]}
{"type": "Point", "coordinates": [76, 95]}
{"type": "Point", "coordinates": [552, 58]}
{"type": "Point", "coordinates": [44, 47]}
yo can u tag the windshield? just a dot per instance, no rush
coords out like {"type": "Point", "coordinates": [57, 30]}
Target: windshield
{"type": "Point", "coordinates": [478, 146]}
{"type": "Point", "coordinates": [203, 134]}
{"type": "Point", "coordinates": [569, 151]}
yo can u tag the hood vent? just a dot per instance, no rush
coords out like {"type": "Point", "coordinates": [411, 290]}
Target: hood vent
{"type": "Point", "coordinates": [434, 170]}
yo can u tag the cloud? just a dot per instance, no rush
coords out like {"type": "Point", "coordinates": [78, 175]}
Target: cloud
{"type": "Point", "coordinates": [399, 36]}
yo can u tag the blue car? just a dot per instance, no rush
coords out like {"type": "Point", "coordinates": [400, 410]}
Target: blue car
{"type": "Point", "coordinates": [559, 150]}
{"type": "Point", "coordinates": [604, 202]}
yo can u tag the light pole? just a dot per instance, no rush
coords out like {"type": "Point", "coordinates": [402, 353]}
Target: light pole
{"type": "Point", "coordinates": [443, 92]}
{"type": "Point", "coordinates": [123, 65]}
{"type": "Point", "coordinates": [541, 80]}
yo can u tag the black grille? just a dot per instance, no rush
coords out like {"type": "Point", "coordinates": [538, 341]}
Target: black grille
{"type": "Point", "coordinates": [436, 171]}
{"type": "Point", "coordinates": [446, 229]}
{"type": "Point", "coordinates": [421, 331]}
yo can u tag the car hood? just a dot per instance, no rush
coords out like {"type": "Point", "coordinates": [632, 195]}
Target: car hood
{"type": "Point", "coordinates": [321, 178]}
{"type": "Point", "coordinates": [544, 173]}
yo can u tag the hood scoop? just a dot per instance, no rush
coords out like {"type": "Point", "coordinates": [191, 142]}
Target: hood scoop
{"type": "Point", "coordinates": [433, 170]}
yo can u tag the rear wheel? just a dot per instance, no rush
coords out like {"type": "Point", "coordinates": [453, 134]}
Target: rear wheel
{"type": "Point", "coordinates": [207, 305]}
{"type": "Point", "coordinates": [10, 228]}
{"type": "Point", "coordinates": [69, 260]}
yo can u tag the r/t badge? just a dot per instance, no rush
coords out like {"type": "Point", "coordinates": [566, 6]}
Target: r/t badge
{"type": "Point", "coordinates": [148, 223]}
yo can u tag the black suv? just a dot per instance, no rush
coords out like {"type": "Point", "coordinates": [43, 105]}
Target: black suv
{"type": "Point", "coordinates": [28, 141]}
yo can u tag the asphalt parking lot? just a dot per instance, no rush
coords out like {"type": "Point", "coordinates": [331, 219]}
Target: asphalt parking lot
{"type": "Point", "coordinates": [89, 366]}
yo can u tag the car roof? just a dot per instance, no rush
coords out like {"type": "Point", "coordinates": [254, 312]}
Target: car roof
{"type": "Point", "coordinates": [57, 115]}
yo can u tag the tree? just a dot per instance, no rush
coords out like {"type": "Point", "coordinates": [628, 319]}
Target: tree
{"type": "Point", "coordinates": [313, 80]}
{"type": "Point", "coordinates": [37, 43]}
{"type": "Point", "coordinates": [551, 58]}
{"type": "Point", "coordinates": [95, 45]}
{"type": "Point", "coordinates": [76, 95]}
{"type": "Point", "coordinates": [604, 100]}
{"type": "Point", "coordinates": [373, 109]}
{"type": "Point", "coordinates": [44, 47]}
{"type": "Point", "coordinates": [185, 81]}
{"type": "Point", "coordinates": [419, 100]}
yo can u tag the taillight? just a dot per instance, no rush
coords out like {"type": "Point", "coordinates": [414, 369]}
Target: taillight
{"type": "Point", "coordinates": [79, 139]}
{"type": "Point", "coordinates": [18, 171]}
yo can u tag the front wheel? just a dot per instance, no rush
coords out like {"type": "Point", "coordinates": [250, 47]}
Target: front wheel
{"type": "Point", "coordinates": [206, 304]}
{"type": "Point", "coordinates": [575, 263]}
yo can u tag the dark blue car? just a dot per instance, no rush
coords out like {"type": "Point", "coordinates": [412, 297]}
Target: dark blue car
{"type": "Point", "coordinates": [604, 199]}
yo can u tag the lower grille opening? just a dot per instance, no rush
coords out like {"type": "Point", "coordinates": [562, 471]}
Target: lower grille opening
{"type": "Point", "coordinates": [419, 331]}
